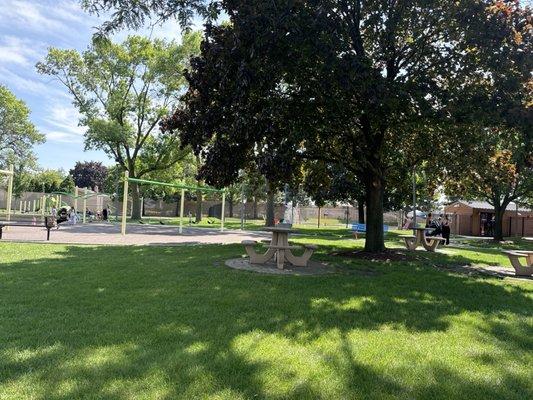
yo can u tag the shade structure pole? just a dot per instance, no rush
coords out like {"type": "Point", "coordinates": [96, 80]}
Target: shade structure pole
{"type": "Point", "coordinates": [222, 216]}
{"type": "Point", "coordinates": [9, 191]}
{"type": "Point", "coordinates": [125, 203]}
{"type": "Point", "coordinates": [414, 201]}
{"type": "Point", "coordinates": [182, 205]}
{"type": "Point", "coordinates": [84, 204]}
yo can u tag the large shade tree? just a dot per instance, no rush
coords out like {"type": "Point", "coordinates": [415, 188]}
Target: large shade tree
{"type": "Point", "coordinates": [122, 91]}
{"type": "Point", "coordinates": [18, 134]}
{"type": "Point", "coordinates": [364, 85]}
{"type": "Point", "coordinates": [495, 113]}
{"type": "Point", "coordinates": [89, 174]}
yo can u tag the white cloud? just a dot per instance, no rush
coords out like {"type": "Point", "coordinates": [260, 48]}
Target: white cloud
{"type": "Point", "coordinates": [62, 121]}
{"type": "Point", "coordinates": [49, 17]}
{"type": "Point", "coordinates": [62, 137]}
{"type": "Point", "coordinates": [15, 50]}
{"type": "Point", "coordinates": [21, 83]}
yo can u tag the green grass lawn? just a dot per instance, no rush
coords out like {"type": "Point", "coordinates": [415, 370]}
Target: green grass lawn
{"type": "Point", "coordinates": [172, 323]}
{"type": "Point", "coordinates": [234, 223]}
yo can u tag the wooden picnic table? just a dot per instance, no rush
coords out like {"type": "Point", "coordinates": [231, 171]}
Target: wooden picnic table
{"type": "Point", "coordinates": [279, 249]}
{"type": "Point", "coordinates": [430, 243]}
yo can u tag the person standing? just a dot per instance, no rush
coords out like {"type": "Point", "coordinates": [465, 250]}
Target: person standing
{"type": "Point", "coordinates": [446, 229]}
{"type": "Point", "coordinates": [429, 220]}
{"type": "Point", "coordinates": [104, 213]}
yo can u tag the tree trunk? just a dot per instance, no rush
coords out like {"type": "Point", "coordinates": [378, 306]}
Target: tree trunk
{"type": "Point", "coordinates": [255, 216]}
{"type": "Point", "coordinates": [198, 207]}
{"type": "Point", "coordinates": [361, 211]}
{"type": "Point", "coordinates": [270, 207]}
{"type": "Point", "coordinates": [136, 201]}
{"type": "Point", "coordinates": [498, 222]}
{"type": "Point", "coordinates": [374, 241]}
{"type": "Point", "coordinates": [230, 204]}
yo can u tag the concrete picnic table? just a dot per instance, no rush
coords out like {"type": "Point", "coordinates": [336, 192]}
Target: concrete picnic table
{"type": "Point", "coordinates": [430, 243]}
{"type": "Point", "coordinates": [279, 249]}
{"type": "Point", "coordinates": [521, 269]}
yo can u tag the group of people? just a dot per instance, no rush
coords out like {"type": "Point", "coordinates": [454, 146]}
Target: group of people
{"type": "Point", "coordinates": [440, 226]}
{"type": "Point", "coordinates": [71, 216]}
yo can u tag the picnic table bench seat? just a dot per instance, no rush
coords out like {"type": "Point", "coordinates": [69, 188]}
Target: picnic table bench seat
{"type": "Point", "coordinates": [520, 269]}
{"type": "Point", "coordinates": [284, 247]}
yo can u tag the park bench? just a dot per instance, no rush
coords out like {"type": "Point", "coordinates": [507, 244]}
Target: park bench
{"type": "Point", "coordinates": [48, 224]}
{"type": "Point", "coordinates": [361, 228]}
{"type": "Point", "coordinates": [520, 269]}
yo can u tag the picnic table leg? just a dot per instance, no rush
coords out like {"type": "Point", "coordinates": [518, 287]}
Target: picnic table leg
{"type": "Point", "coordinates": [256, 258]}
{"type": "Point", "coordinates": [299, 261]}
{"type": "Point", "coordinates": [430, 247]}
{"type": "Point", "coordinates": [280, 258]}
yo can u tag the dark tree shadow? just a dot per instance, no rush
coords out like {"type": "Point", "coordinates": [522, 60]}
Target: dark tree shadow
{"type": "Point", "coordinates": [104, 321]}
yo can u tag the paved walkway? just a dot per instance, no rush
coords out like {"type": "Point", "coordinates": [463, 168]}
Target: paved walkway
{"type": "Point", "coordinates": [108, 233]}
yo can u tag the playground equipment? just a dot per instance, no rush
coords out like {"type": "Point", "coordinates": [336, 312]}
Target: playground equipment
{"type": "Point", "coordinates": [79, 193]}
{"type": "Point", "coordinates": [183, 188]}
{"type": "Point", "coordinates": [10, 174]}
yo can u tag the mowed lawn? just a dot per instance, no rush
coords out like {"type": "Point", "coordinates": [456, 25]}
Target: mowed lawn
{"type": "Point", "coordinates": [174, 323]}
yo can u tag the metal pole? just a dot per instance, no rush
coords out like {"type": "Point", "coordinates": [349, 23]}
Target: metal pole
{"type": "Point", "coordinates": [9, 191]}
{"type": "Point", "coordinates": [84, 205]}
{"type": "Point", "coordinates": [414, 201]}
{"type": "Point", "coordinates": [76, 198]}
{"type": "Point", "coordinates": [223, 207]}
{"type": "Point", "coordinates": [117, 190]}
{"type": "Point", "coordinates": [242, 210]}
{"type": "Point", "coordinates": [182, 205]}
{"type": "Point", "coordinates": [124, 203]}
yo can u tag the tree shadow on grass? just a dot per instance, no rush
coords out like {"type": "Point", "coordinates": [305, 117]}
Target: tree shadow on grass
{"type": "Point", "coordinates": [112, 322]}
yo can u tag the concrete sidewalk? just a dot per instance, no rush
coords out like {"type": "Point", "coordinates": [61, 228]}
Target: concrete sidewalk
{"type": "Point", "coordinates": [109, 233]}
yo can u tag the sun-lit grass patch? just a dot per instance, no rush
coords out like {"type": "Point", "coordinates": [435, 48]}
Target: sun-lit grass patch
{"type": "Point", "coordinates": [138, 322]}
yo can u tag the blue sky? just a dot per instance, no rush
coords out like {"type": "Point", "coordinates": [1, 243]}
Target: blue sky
{"type": "Point", "coordinates": [27, 29]}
